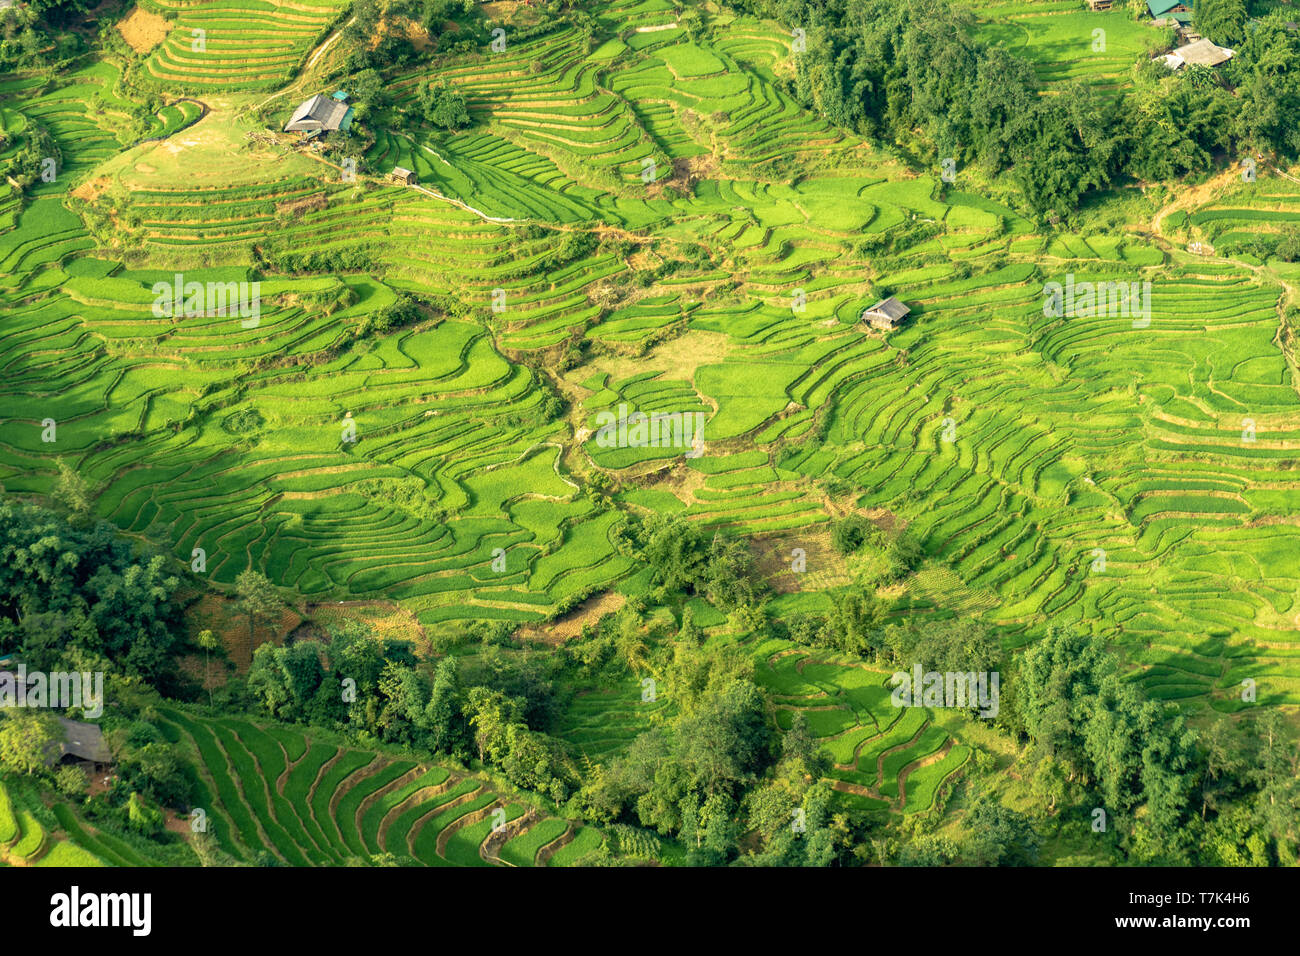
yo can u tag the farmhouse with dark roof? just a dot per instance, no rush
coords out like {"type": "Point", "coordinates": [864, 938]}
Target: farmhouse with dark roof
{"type": "Point", "coordinates": [320, 114]}
{"type": "Point", "coordinates": [80, 743]}
{"type": "Point", "coordinates": [886, 314]}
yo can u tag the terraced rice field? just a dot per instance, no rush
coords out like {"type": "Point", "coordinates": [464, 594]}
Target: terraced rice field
{"type": "Point", "coordinates": [1264, 207]}
{"type": "Point", "coordinates": [1062, 41]}
{"type": "Point", "coordinates": [237, 44]}
{"type": "Point", "coordinates": [603, 722]}
{"type": "Point", "coordinates": [272, 790]}
{"type": "Point", "coordinates": [24, 842]}
{"type": "Point", "coordinates": [1072, 435]}
{"type": "Point", "coordinates": [884, 757]}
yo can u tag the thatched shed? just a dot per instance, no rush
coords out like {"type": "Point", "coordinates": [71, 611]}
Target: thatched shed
{"type": "Point", "coordinates": [81, 743]}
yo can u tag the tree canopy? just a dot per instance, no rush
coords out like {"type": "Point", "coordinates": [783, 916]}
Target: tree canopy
{"type": "Point", "coordinates": [67, 588]}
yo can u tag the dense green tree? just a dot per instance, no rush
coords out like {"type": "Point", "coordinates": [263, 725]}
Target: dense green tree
{"type": "Point", "coordinates": [1051, 783]}
{"type": "Point", "coordinates": [1232, 838]}
{"type": "Point", "coordinates": [1003, 106]}
{"type": "Point", "coordinates": [998, 836]}
{"type": "Point", "coordinates": [286, 680]}
{"type": "Point", "coordinates": [1276, 774]}
{"type": "Point", "coordinates": [896, 71]}
{"type": "Point", "coordinates": [367, 93]}
{"type": "Point", "coordinates": [929, 851]}
{"type": "Point", "coordinates": [71, 781]}
{"type": "Point", "coordinates": [730, 575]}
{"type": "Point", "coordinates": [525, 679]}
{"type": "Point", "coordinates": [629, 640]}
{"type": "Point", "coordinates": [791, 808]}
{"type": "Point", "coordinates": [268, 684]}
{"type": "Point", "coordinates": [1225, 759]}
{"type": "Point", "coordinates": [728, 740]}
{"type": "Point", "coordinates": [1222, 21]}
{"type": "Point", "coordinates": [683, 559]}
{"type": "Point", "coordinates": [1179, 125]}
{"type": "Point", "coordinates": [854, 622]}
{"type": "Point", "coordinates": [357, 656]}
{"type": "Point", "coordinates": [1168, 770]}
{"type": "Point", "coordinates": [71, 490]}
{"type": "Point", "coordinates": [443, 713]}
{"type": "Point", "coordinates": [1268, 100]}
{"type": "Point", "coordinates": [529, 759]}
{"type": "Point", "coordinates": [68, 588]}
{"type": "Point", "coordinates": [141, 817]}
{"type": "Point", "coordinates": [1059, 676]}
{"type": "Point", "coordinates": [258, 598]}
{"type": "Point", "coordinates": [23, 43]}
{"type": "Point", "coordinates": [303, 671]}
{"type": "Point", "coordinates": [443, 106]}
{"type": "Point", "coordinates": [405, 695]}
{"type": "Point", "coordinates": [675, 552]}
{"type": "Point", "coordinates": [1111, 742]}
{"type": "Point", "coordinates": [690, 632]}
{"type": "Point", "coordinates": [1100, 732]}
{"type": "Point", "coordinates": [490, 712]}
{"type": "Point", "coordinates": [851, 533]}
{"type": "Point", "coordinates": [159, 773]}
{"type": "Point", "coordinates": [959, 644]}
{"type": "Point", "coordinates": [26, 740]}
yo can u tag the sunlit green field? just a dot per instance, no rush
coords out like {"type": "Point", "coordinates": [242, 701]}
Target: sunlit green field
{"type": "Point", "coordinates": [470, 491]}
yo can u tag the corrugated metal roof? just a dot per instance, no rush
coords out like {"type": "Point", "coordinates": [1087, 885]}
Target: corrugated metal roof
{"type": "Point", "coordinates": [890, 308]}
{"type": "Point", "coordinates": [1158, 7]}
{"type": "Point", "coordinates": [1203, 53]}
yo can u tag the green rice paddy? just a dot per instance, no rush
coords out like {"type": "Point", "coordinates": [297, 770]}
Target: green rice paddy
{"type": "Point", "coordinates": [1072, 434]}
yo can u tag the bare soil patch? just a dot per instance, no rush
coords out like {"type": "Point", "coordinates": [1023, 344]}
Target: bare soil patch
{"type": "Point", "coordinates": [91, 189]}
{"type": "Point", "coordinates": [824, 566]}
{"type": "Point", "coordinates": [100, 783]}
{"type": "Point", "coordinates": [417, 34]}
{"type": "Point", "coordinates": [689, 170]}
{"type": "Point", "coordinates": [679, 480]}
{"type": "Point", "coordinates": [143, 30]}
{"type": "Point", "coordinates": [571, 625]}
{"type": "Point", "coordinates": [500, 9]}
{"type": "Point", "coordinates": [679, 356]}
{"type": "Point", "coordinates": [296, 207]}
{"type": "Point", "coordinates": [640, 260]}
{"type": "Point", "coordinates": [387, 621]}
{"type": "Point", "coordinates": [220, 615]}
